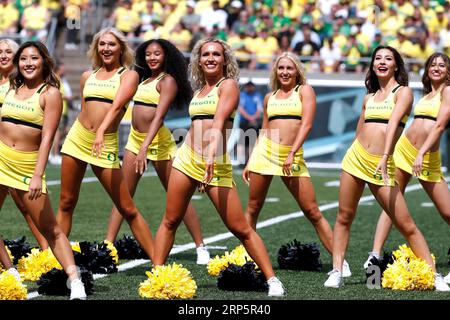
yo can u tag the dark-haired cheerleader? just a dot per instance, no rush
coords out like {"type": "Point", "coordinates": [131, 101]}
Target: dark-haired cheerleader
{"type": "Point", "coordinates": [163, 74]}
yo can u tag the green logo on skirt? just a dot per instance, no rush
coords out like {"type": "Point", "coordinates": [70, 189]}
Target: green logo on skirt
{"type": "Point", "coordinates": [112, 157]}
{"type": "Point", "coordinates": [26, 180]}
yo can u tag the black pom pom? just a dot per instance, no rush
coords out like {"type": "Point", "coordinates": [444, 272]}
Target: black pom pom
{"type": "Point", "coordinates": [129, 249]}
{"type": "Point", "coordinates": [95, 258]}
{"type": "Point", "coordinates": [297, 256]}
{"type": "Point", "coordinates": [388, 258]}
{"type": "Point", "coordinates": [55, 282]}
{"type": "Point", "coordinates": [448, 256]}
{"type": "Point", "coordinates": [18, 247]}
{"type": "Point", "coordinates": [241, 278]}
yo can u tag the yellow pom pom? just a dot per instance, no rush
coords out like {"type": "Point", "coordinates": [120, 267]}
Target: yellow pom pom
{"type": "Point", "coordinates": [112, 248]}
{"type": "Point", "coordinates": [238, 256]}
{"type": "Point", "coordinates": [11, 288]}
{"type": "Point", "coordinates": [168, 282]}
{"type": "Point", "coordinates": [37, 263]}
{"type": "Point", "coordinates": [408, 272]}
{"type": "Point", "coordinates": [2, 268]}
{"type": "Point", "coordinates": [76, 247]}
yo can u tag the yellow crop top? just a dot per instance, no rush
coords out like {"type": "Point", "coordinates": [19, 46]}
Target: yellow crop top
{"type": "Point", "coordinates": [381, 111]}
{"type": "Point", "coordinates": [102, 90]}
{"type": "Point", "coordinates": [26, 112]}
{"type": "Point", "coordinates": [289, 108]}
{"type": "Point", "coordinates": [428, 108]}
{"type": "Point", "coordinates": [205, 108]}
{"type": "Point", "coordinates": [3, 91]}
{"type": "Point", "coordinates": [147, 95]}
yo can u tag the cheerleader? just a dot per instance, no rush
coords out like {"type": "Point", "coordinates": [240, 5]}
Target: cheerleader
{"type": "Point", "coordinates": [288, 118]}
{"type": "Point", "coordinates": [163, 73]}
{"type": "Point", "coordinates": [369, 160]}
{"type": "Point", "coordinates": [29, 118]}
{"type": "Point", "coordinates": [8, 49]}
{"type": "Point", "coordinates": [93, 138]}
{"type": "Point", "coordinates": [202, 162]}
{"type": "Point", "coordinates": [436, 90]}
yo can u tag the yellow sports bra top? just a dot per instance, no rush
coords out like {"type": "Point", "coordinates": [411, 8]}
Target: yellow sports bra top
{"type": "Point", "coordinates": [147, 95]}
{"type": "Point", "coordinates": [381, 111]}
{"type": "Point", "coordinates": [102, 90]}
{"type": "Point", "coordinates": [3, 91]}
{"type": "Point", "coordinates": [289, 108]}
{"type": "Point", "coordinates": [428, 108]}
{"type": "Point", "coordinates": [205, 108]}
{"type": "Point", "coordinates": [26, 112]}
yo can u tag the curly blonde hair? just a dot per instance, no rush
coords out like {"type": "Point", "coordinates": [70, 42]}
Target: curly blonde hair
{"type": "Point", "coordinates": [126, 56]}
{"type": "Point", "coordinates": [300, 79]}
{"type": "Point", "coordinates": [230, 69]}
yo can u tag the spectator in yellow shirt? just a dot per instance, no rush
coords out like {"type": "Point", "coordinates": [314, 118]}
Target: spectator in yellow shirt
{"type": "Point", "coordinates": [265, 47]}
{"type": "Point", "coordinates": [440, 22]}
{"type": "Point", "coordinates": [9, 17]}
{"type": "Point", "coordinates": [428, 13]}
{"type": "Point", "coordinates": [420, 52]}
{"type": "Point", "coordinates": [405, 8]}
{"type": "Point", "coordinates": [402, 43]}
{"type": "Point", "coordinates": [180, 37]}
{"type": "Point", "coordinates": [34, 22]}
{"type": "Point", "coordinates": [241, 44]}
{"type": "Point", "coordinates": [125, 19]}
{"type": "Point", "coordinates": [392, 22]}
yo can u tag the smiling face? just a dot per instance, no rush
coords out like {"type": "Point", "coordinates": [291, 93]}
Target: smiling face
{"type": "Point", "coordinates": [6, 58]}
{"type": "Point", "coordinates": [154, 57]}
{"type": "Point", "coordinates": [31, 63]}
{"type": "Point", "coordinates": [437, 72]}
{"type": "Point", "coordinates": [212, 59]}
{"type": "Point", "coordinates": [384, 64]}
{"type": "Point", "coordinates": [109, 49]}
{"type": "Point", "coordinates": [286, 73]}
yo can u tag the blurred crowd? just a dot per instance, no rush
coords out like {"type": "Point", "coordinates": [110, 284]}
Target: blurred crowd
{"type": "Point", "coordinates": [328, 35]}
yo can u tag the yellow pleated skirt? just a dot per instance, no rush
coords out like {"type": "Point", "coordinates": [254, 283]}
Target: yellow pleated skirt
{"type": "Point", "coordinates": [193, 165]}
{"type": "Point", "coordinates": [163, 146]}
{"type": "Point", "coordinates": [405, 154]}
{"type": "Point", "coordinates": [79, 141]}
{"type": "Point", "coordinates": [17, 168]}
{"type": "Point", "coordinates": [268, 158]}
{"type": "Point", "coordinates": [362, 164]}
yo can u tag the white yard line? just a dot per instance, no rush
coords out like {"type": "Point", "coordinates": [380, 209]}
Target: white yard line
{"type": "Point", "coordinates": [222, 236]}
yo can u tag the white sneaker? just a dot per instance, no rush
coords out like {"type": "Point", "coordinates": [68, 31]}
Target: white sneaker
{"type": "Point", "coordinates": [77, 290]}
{"type": "Point", "coordinates": [334, 280]}
{"type": "Point", "coordinates": [202, 255]}
{"type": "Point", "coordinates": [276, 288]}
{"type": "Point", "coordinates": [55, 160]}
{"type": "Point", "coordinates": [346, 270]}
{"type": "Point", "coordinates": [439, 283]}
{"type": "Point", "coordinates": [13, 271]}
{"type": "Point", "coordinates": [447, 278]}
{"type": "Point", "coordinates": [371, 255]}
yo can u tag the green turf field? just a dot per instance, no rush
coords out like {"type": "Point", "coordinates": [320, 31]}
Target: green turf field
{"type": "Point", "coordinates": [91, 218]}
